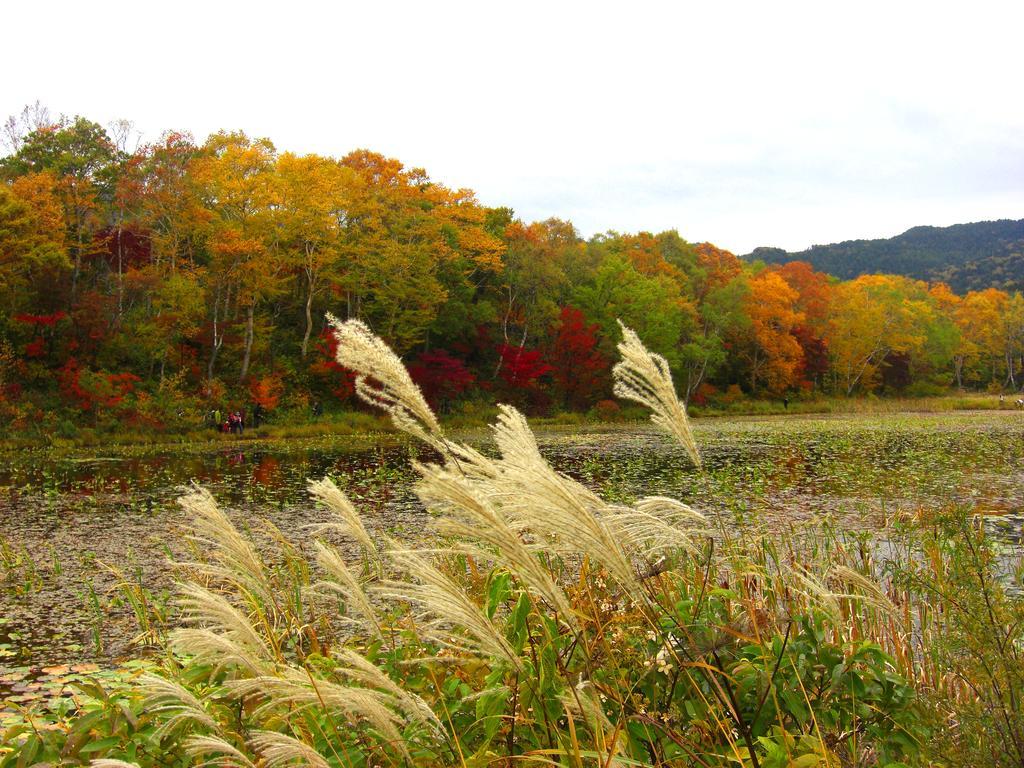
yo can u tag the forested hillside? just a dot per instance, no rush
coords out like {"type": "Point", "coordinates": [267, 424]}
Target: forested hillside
{"type": "Point", "coordinates": [146, 288]}
{"type": "Point", "coordinates": [966, 256]}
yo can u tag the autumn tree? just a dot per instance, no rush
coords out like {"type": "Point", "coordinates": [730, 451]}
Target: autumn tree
{"type": "Point", "coordinates": [578, 369]}
{"type": "Point", "coordinates": [534, 281]}
{"type": "Point", "coordinates": [31, 239]}
{"type": "Point", "coordinates": [772, 354]}
{"type": "Point", "coordinates": [871, 317]}
{"type": "Point", "coordinates": [441, 376]}
{"type": "Point", "coordinates": [84, 163]}
{"type": "Point", "coordinates": [413, 245]}
{"type": "Point", "coordinates": [235, 175]}
{"type": "Point", "coordinates": [714, 268]}
{"type": "Point", "coordinates": [314, 197]}
{"type": "Point", "coordinates": [654, 307]}
{"type": "Point", "coordinates": [171, 209]}
{"type": "Point", "coordinates": [813, 292]}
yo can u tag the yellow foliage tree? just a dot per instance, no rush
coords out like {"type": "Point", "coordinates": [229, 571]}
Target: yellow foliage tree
{"type": "Point", "coordinates": [872, 316]}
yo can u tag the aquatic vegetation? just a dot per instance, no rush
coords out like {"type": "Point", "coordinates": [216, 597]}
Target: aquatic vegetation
{"type": "Point", "coordinates": [546, 603]}
{"type": "Point", "coordinates": [546, 623]}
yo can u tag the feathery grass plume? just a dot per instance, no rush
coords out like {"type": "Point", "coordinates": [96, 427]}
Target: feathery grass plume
{"type": "Point", "coordinates": [583, 702]}
{"type": "Point", "coordinates": [819, 595]}
{"type": "Point", "coordinates": [216, 650]}
{"type": "Point", "coordinates": [277, 749]}
{"type": "Point", "coordinates": [344, 582]}
{"type": "Point", "coordinates": [655, 525]}
{"type": "Point", "coordinates": [239, 563]}
{"type": "Point", "coordinates": [293, 690]}
{"type": "Point", "coordinates": [644, 377]}
{"type": "Point", "coordinates": [543, 501]}
{"type": "Point", "coordinates": [204, 609]}
{"type": "Point", "coordinates": [169, 697]}
{"type": "Point", "coordinates": [644, 534]}
{"type": "Point", "coordinates": [382, 379]}
{"type": "Point", "coordinates": [361, 670]}
{"type": "Point", "coordinates": [328, 494]}
{"type": "Point", "coordinates": [521, 455]}
{"type": "Point", "coordinates": [670, 510]}
{"type": "Point", "coordinates": [446, 604]}
{"type": "Point", "coordinates": [467, 517]}
{"type": "Point", "coordinates": [868, 589]}
{"type": "Point", "coordinates": [225, 755]}
{"type": "Point", "coordinates": [108, 763]}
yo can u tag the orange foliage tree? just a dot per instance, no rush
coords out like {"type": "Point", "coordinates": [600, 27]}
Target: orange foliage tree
{"type": "Point", "coordinates": [772, 353]}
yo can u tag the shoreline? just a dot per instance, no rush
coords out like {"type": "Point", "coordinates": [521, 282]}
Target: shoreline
{"type": "Point", "coordinates": [370, 430]}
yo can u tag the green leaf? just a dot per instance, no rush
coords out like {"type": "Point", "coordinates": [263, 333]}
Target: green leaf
{"type": "Point", "coordinates": [100, 745]}
{"type": "Point", "coordinates": [498, 589]}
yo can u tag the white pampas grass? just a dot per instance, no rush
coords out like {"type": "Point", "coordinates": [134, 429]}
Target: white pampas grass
{"type": "Point", "coordinates": [235, 558]}
{"type": "Point", "coordinates": [226, 754]}
{"type": "Point", "coordinates": [361, 670]}
{"type": "Point", "coordinates": [540, 500]}
{"type": "Point", "coordinates": [814, 589]}
{"type": "Point", "coordinates": [168, 697]}
{"type": "Point", "coordinates": [656, 525]}
{"type": "Point", "coordinates": [467, 516]}
{"type": "Point", "coordinates": [277, 749]}
{"type": "Point", "coordinates": [382, 380]}
{"type": "Point", "coordinates": [344, 582]}
{"type": "Point", "coordinates": [206, 610]}
{"type": "Point", "coordinates": [670, 510]}
{"type": "Point", "coordinates": [869, 590]}
{"type": "Point", "coordinates": [510, 511]}
{"type": "Point", "coordinates": [445, 603]}
{"type": "Point", "coordinates": [327, 493]}
{"type": "Point", "coordinates": [213, 648]}
{"type": "Point", "coordinates": [644, 377]}
{"type": "Point", "coordinates": [293, 690]}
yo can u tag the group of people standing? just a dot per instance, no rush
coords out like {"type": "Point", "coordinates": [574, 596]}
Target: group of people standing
{"type": "Point", "coordinates": [234, 421]}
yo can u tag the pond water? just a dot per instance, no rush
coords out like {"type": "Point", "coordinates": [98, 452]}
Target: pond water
{"type": "Point", "coordinates": [74, 526]}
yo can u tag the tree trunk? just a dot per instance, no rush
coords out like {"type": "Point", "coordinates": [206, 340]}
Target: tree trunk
{"type": "Point", "coordinates": [120, 267]}
{"type": "Point", "coordinates": [250, 314]}
{"type": "Point", "coordinates": [694, 378]}
{"type": "Point", "coordinates": [215, 342]}
{"type": "Point", "coordinates": [309, 318]}
{"type": "Point", "coordinates": [78, 268]}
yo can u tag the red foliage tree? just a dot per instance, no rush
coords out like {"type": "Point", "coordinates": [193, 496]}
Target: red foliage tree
{"type": "Point", "coordinates": [124, 247]}
{"type": "Point", "coordinates": [579, 370]}
{"type": "Point", "coordinates": [41, 321]}
{"type": "Point", "coordinates": [95, 392]}
{"type": "Point", "coordinates": [521, 367]}
{"type": "Point", "coordinates": [339, 380]}
{"type": "Point", "coordinates": [520, 370]}
{"type": "Point", "coordinates": [815, 361]}
{"type": "Point", "coordinates": [441, 376]}
{"type": "Point", "coordinates": [36, 347]}
{"type": "Point", "coordinates": [43, 329]}
{"type": "Point", "coordinates": [815, 292]}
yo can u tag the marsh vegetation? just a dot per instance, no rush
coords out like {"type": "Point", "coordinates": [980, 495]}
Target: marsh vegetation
{"type": "Point", "coordinates": [832, 591]}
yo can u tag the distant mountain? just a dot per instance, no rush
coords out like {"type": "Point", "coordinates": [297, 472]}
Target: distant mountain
{"type": "Point", "coordinates": [967, 256]}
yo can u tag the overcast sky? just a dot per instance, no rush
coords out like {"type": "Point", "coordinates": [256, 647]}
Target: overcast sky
{"type": "Point", "coordinates": [776, 123]}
